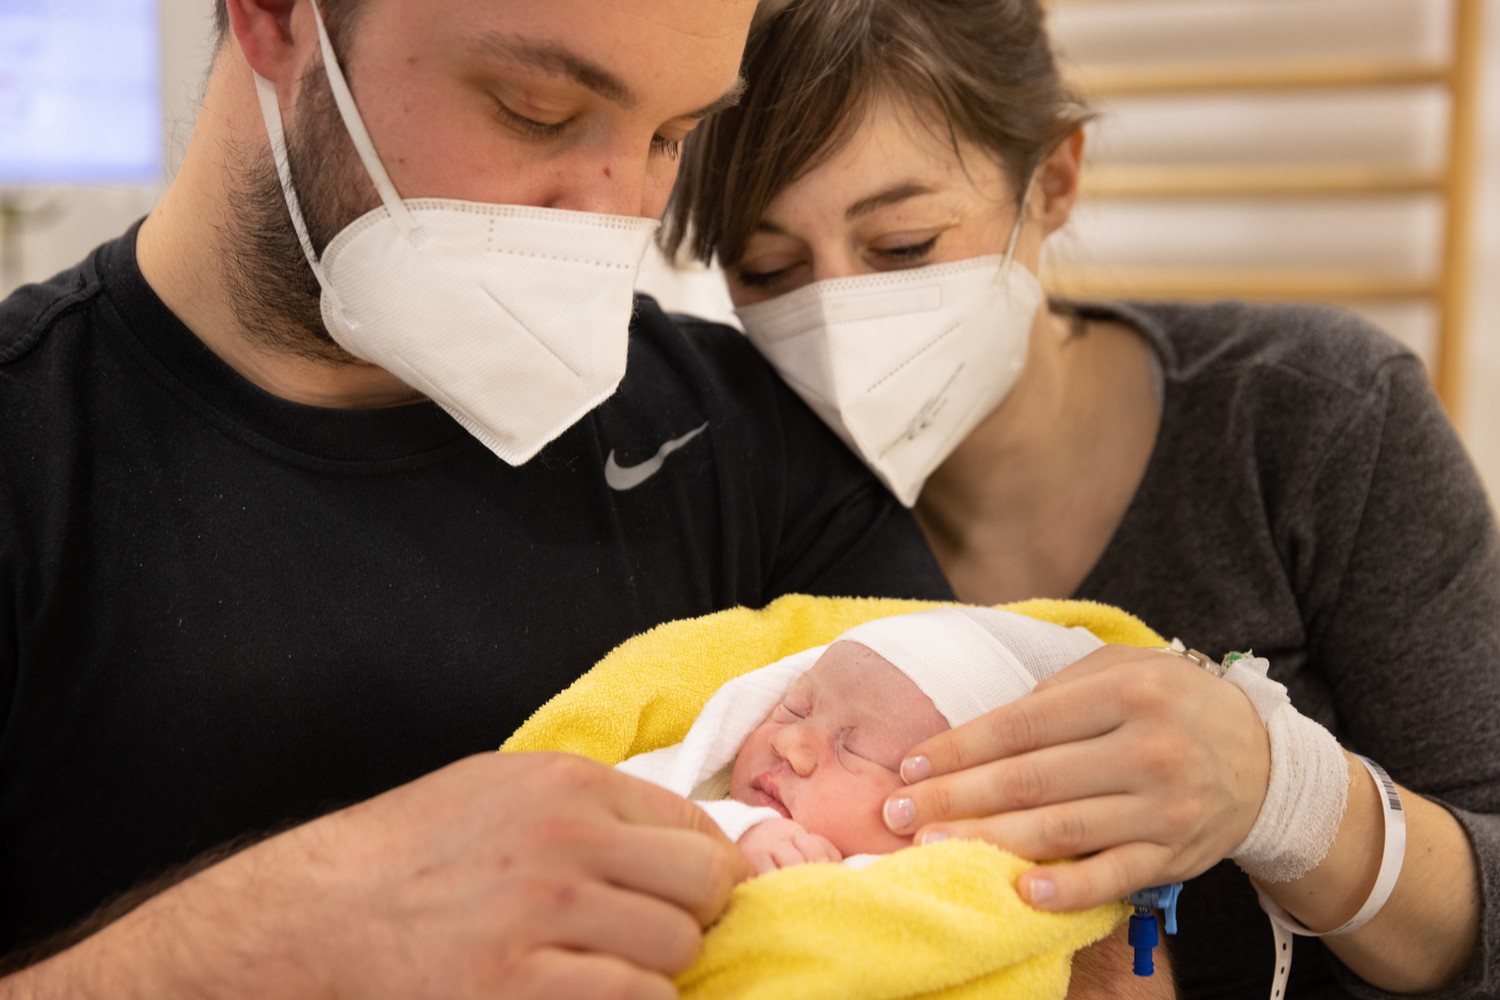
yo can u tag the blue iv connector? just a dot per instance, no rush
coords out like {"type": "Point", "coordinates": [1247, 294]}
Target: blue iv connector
{"type": "Point", "coordinates": [1143, 937]}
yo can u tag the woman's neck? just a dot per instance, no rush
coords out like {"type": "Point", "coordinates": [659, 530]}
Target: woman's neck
{"type": "Point", "coordinates": [1027, 504]}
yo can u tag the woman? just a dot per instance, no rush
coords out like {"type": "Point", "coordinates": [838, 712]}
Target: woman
{"type": "Point", "coordinates": [1271, 478]}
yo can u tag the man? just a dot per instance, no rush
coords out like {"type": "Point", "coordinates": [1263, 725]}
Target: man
{"type": "Point", "coordinates": [251, 580]}
{"type": "Point", "coordinates": [248, 578]}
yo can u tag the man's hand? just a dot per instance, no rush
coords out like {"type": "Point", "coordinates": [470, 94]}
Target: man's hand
{"type": "Point", "coordinates": [509, 875]}
{"type": "Point", "coordinates": [781, 843]}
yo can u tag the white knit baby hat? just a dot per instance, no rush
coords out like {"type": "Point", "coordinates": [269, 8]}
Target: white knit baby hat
{"type": "Point", "coordinates": [971, 660]}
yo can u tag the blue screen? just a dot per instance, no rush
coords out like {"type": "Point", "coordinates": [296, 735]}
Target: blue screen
{"type": "Point", "coordinates": [80, 92]}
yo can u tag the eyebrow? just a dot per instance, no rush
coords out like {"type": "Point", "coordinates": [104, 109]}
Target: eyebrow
{"type": "Point", "coordinates": [890, 196]}
{"type": "Point", "coordinates": [556, 60]}
{"type": "Point", "coordinates": [723, 102]}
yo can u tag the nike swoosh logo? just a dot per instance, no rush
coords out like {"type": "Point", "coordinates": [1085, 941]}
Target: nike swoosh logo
{"type": "Point", "coordinates": [622, 478]}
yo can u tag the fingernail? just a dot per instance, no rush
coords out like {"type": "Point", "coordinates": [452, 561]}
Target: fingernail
{"type": "Point", "coordinates": [915, 769]}
{"type": "Point", "coordinates": [933, 837]}
{"type": "Point", "coordinates": [1039, 890]}
{"type": "Point", "coordinates": [900, 814]}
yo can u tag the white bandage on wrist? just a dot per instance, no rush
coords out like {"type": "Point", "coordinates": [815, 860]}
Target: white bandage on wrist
{"type": "Point", "coordinates": [1308, 789]}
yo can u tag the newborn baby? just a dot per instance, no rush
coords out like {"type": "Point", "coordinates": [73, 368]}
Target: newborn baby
{"type": "Point", "coordinates": [795, 760]}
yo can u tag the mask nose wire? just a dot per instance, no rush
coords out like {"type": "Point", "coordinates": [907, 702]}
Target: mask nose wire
{"type": "Point", "coordinates": [363, 145]}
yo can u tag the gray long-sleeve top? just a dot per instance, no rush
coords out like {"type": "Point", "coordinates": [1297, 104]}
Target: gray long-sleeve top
{"type": "Point", "coordinates": [1308, 499]}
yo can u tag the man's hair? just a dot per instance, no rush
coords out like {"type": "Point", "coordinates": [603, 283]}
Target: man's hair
{"type": "Point", "coordinates": [978, 71]}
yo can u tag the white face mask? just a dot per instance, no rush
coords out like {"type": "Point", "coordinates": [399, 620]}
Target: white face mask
{"type": "Point", "coordinates": [903, 364]}
{"type": "Point", "coordinates": [514, 319]}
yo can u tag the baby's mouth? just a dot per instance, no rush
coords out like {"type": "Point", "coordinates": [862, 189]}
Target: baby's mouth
{"type": "Point", "coordinates": [768, 794]}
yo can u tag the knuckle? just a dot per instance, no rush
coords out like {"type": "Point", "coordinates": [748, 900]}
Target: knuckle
{"type": "Point", "coordinates": [1159, 756]}
{"type": "Point", "coordinates": [1023, 729]}
{"type": "Point", "coordinates": [721, 870]}
{"type": "Point", "coordinates": [544, 897]}
{"type": "Point", "coordinates": [564, 834]}
{"type": "Point", "coordinates": [938, 802]}
{"type": "Point", "coordinates": [680, 939]}
{"type": "Point", "coordinates": [1064, 832]}
{"type": "Point", "coordinates": [1181, 817]}
{"type": "Point", "coordinates": [1148, 690]}
{"type": "Point", "coordinates": [1024, 786]}
{"type": "Point", "coordinates": [562, 771]}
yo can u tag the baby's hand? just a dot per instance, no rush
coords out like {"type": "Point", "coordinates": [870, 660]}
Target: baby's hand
{"type": "Point", "coordinates": [781, 843]}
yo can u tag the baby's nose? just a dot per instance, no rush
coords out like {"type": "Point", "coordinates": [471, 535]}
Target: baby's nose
{"type": "Point", "coordinates": [797, 746]}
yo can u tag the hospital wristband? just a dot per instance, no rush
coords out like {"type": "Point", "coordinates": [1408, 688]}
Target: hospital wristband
{"type": "Point", "coordinates": [1391, 858]}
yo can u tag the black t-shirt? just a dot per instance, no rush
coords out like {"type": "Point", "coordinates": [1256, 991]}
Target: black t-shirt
{"type": "Point", "coordinates": [221, 612]}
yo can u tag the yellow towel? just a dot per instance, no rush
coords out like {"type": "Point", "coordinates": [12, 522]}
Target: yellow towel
{"type": "Point", "coordinates": [942, 920]}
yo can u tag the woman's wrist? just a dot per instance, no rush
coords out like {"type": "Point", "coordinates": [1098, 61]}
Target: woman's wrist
{"type": "Point", "coordinates": [1333, 892]}
{"type": "Point", "coordinates": [1304, 799]}
{"type": "Point", "coordinates": [1391, 854]}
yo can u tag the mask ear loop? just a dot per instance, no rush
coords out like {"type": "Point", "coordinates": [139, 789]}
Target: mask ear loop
{"type": "Point", "coordinates": [1015, 233]}
{"type": "Point", "coordinates": [270, 110]}
{"type": "Point", "coordinates": [349, 112]}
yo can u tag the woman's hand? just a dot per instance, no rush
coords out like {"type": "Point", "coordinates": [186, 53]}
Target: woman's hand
{"type": "Point", "coordinates": [782, 843]}
{"type": "Point", "coordinates": [1143, 765]}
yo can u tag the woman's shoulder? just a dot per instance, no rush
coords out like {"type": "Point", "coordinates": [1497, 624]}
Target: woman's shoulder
{"type": "Point", "coordinates": [1232, 340]}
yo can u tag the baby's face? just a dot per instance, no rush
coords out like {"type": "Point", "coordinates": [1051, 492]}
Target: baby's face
{"type": "Point", "coordinates": [829, 754]}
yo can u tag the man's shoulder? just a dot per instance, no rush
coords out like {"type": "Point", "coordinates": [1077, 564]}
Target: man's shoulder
{"type": "Point", "coordinates": [32, 312]}
{"type": "Point", "coordinates": [718, 351]}
{"type": "Point", "coordinates": [684, 362]}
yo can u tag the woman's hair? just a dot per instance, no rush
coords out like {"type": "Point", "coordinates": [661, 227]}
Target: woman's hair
{"type": "Point", "coordinates": [981, 70]}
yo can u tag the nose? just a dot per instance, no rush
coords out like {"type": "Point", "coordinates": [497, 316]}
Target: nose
{"type": "Point", "coordinates": [612, 182]}
{"type": "Point", "coordinates": [797, 745]}
{"type": "Point", "coordinates": [832, 260]}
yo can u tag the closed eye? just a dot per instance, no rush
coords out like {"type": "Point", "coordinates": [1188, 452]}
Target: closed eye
{"type": "Point", "coordinates": [908, 254]}
{"type": "Point", "coordinates": [763, 279]}
{"type": "Point", "coordinates": [662, 146]}
{"type": "Point", "coordinates": [844, 744]}
{"type": "Point", "coordinates": [529, 128]}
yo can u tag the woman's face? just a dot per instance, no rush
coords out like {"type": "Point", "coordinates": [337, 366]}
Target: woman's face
{"type": "Point", "coordinates": [895, 196]}
{"type": "Point", "coordinates": [830, 753]}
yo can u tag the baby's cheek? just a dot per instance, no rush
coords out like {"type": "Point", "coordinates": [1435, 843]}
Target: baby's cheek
{"type": "Point", "coordinates": [862, 829]}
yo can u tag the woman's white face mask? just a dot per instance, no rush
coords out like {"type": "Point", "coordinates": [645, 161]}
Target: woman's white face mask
{"type": "Point", "coordinates": [904, 364]}
{"type": "Point", "coordinates": [514, 319]}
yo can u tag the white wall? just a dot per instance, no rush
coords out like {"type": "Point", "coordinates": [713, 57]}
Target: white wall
{"type": "Point", "coordinates": [1401, 128]}
{"type": "Point", "coordinates": [76, 218]}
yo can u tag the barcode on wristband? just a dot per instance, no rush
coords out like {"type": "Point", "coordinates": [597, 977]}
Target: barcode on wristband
{"type": "Point", "coordinates": [1392, 799]}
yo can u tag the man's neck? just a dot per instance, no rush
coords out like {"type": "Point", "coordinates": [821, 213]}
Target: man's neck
{"type": "Point", "coordinates": [183, 253]}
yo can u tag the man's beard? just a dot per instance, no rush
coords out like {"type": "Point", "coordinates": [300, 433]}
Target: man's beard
{"type": "Point", "coordinates": [275, 294]}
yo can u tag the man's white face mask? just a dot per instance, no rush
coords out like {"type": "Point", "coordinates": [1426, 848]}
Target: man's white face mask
{"type": "Point", "coordinates": [903, 364]}
{"type": "Point", "coordinates": [514, 319]}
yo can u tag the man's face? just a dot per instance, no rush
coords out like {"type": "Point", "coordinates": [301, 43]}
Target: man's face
{"type": "Point", "coordinates": [575, 104]}
{"type": "Point", "coordinates": [571, 104]}
{"type": "Point", "coordinates": [830, 753]}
